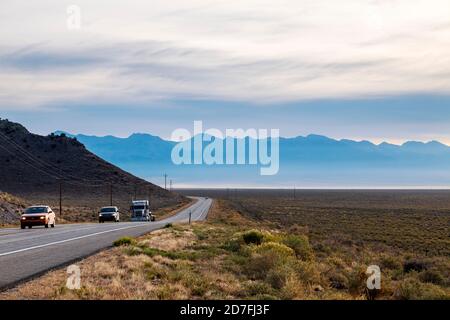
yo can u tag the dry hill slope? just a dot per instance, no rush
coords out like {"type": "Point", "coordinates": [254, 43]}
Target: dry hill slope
{"type": "Point", "coordinates": [34, 166]}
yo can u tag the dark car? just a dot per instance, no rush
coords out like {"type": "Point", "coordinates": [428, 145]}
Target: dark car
{"type": "Point", "coordinates": [109, 214]}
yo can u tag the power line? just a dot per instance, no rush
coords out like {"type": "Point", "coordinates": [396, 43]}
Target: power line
{"type": "Point", "coordinates": [23, 151]}
{"type": "Point", "coordinates": [31, 165]}
{"type": "Point", "coordinates": [44, 163]}
{"type": "Point", "coordinates": [54, 176]}
{"type": "Point", "coordinates": [57, 172]}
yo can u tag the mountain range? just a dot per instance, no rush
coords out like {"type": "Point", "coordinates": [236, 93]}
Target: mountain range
{"type": "Point", "coordinates": [313, 161]}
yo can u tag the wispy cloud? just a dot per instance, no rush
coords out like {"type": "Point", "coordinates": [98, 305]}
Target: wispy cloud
{"type": "Point", "coordinates": [256, 51]}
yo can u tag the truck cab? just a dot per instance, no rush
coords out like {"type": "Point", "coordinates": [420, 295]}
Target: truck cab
{"type": "Point", "coordinates": [140, 211]}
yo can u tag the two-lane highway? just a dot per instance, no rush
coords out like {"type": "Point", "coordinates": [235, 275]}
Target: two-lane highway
{"type": "Point", "coordinates": [26, 253]}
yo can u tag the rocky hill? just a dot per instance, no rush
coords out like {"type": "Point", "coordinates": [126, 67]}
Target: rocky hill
{"type": "Point", "coordinates": [10, 208]}
{"type": "Point", "coordinates": [34, 167]}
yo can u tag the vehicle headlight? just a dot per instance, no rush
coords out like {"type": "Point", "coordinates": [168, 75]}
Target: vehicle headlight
{"type": "Point", "coordinates": [100, 214]}
{"type": "Point", "coordinates": [42, 218]}
{"type": "Point", "coordinates": [24, 218]}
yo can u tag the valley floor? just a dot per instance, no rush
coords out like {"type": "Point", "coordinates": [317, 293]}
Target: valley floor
{"type": "Point", "coordinates": [233, 256]}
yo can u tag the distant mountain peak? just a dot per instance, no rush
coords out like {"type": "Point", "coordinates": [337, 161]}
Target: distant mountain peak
{"type": "Point", "coordinates": [318, 137]}
{"type": "Point", "coordinates": [140, 135]}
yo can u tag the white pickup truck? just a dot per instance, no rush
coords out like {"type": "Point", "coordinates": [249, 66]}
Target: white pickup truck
{"type": "Point", "coordinates": [140, 211]}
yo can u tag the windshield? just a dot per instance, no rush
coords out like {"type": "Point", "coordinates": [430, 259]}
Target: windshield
{"type": "Point", "coordinates": [108, 210]}
{"type": "Point", "coordinates": [138, 207]}
{"type": "Point", "coordinates": [36, 210]}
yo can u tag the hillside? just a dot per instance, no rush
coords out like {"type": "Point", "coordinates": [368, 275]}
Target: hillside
{"type": "Point", "coordinates": [34, 166]}
{"type": "Point", "coordinates": [10, 208]}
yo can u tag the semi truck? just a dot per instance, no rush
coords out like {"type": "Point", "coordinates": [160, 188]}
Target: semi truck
{"type": "Point", "coordinates": [140, 211]}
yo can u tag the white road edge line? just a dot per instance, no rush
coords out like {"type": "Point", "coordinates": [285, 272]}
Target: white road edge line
{"type": "Point", "coordinates": [66, 240]}
{"type": "Point", "coordinates": [76, 238]}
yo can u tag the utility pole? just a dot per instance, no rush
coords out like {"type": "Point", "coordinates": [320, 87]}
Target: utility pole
{"type": "Point", "coordinates": [60, 191]}
{"type": "Point", "coordinates": [190, 215]}
{"type": "Point", "coordinates": [110, 194]}
{"type": "Point", "coordinates": [170, 185]}
{"type": "Point", "coordinates": [60, 198]}
{"type": "Point", "coordinates": [165, 181]}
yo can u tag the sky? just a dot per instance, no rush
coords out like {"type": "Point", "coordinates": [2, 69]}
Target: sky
{"type": "Point", "coordinates": [356, 69]}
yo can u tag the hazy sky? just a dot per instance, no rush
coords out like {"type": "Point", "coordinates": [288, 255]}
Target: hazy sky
{"type": "Point", "coordinates": [377, 70]}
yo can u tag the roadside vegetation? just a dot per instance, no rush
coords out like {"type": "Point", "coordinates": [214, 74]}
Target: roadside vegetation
{"type": "Point", "coordinates": [233, 256]}
{"type": "Point", "coordinates": [10, 208]}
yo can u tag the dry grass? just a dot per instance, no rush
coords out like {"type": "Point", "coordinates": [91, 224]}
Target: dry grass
{"type": "Point", "coordinates": [10, 208]}
{"type": "Point", "coordinates": [234, 257]}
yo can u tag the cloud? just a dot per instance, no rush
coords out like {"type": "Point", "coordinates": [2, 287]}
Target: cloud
{"type": "Point", "coordinates": [255, 51]}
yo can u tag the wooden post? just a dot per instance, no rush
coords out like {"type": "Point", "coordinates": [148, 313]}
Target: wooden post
{"type": "Point", "coordinates": [60, 198]}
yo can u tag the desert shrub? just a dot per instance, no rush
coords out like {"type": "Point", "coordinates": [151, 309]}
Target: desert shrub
{"type": "Point", "coordinates": [201, 235]}
{"type": "Point", "coordinates": [265, 257]}
{"type": "Point", "coordinates": [253, 237]}
{"type": "Point", "coordinates": [292, 289]}
{"type": "Point", "coordinates": [133, 251]}
{"type": "Point", "coordinates": [431, 276]}
{"type": "Point", "coordinates": [235, 243]}
{"type": "Point", "coordinates": [337, 262]}
{"type": "Point", "coordinates": [338, 280]}
{"type": "Point", "coordinates": [271, 236]}
{"type": "Point", "coordinates": [278, 276]}
{"type": "Point", "coordinates": [232, 245]}
{"type": "Point", "coordinates": [391, 263]}
{"type": "Point", "coordinates": [165, 292]}
{"type": "Point", "coordinates": [257, 288]}
{"type": "Point", "coordinates": [414, 265]}
{"type": "Point", "coordinates": [154, 272]}
{"type": "Point", "coordinates": [300, 245]}
{"type": "Point", "coordinates": [258, 265]}
{"type": "Point", "coordinates": [322, 248]}
{"type": "Point", "coordinates": [308, 272]}
{"type": "Point", "coordinates": [276, 249]}
{"type": "Point", "coordinates": [357, 281]}
{"type": "Point", "coordinates": [168, 225]}
{"type": "Point", "coordinates": [239, 240]}
{"type": "Point", "coordinates": [124, 241]}
{"type": "Point", "coordinates": [197, 284]}
{"type": "Point", "coordinates": [413, 289]}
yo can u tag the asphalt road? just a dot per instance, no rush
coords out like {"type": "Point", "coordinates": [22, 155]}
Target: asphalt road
{"type": "Point", "coordinates": [30, 252]}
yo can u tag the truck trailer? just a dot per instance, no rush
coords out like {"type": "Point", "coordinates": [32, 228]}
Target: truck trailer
{"type": "Point", "coordinates": [140, 211]}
